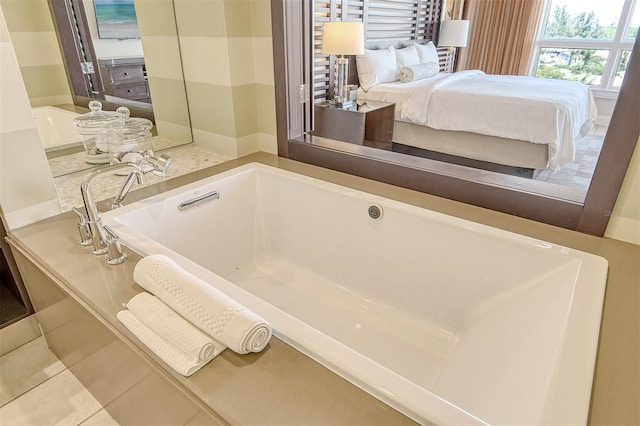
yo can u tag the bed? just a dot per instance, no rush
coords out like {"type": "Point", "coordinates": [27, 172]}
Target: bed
{"type": "Point", "coordinates": [512, 121]}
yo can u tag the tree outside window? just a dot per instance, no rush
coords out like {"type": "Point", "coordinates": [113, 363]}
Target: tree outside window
{"type": "Point", "coordinates": [579, 37]}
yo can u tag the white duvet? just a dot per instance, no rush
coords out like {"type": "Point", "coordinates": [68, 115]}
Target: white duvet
{"type": "Point", "coordinates": [537, 110]}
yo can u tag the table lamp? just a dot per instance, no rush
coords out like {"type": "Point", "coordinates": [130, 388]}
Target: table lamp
{"type": "Point", "coordinates": [453, 33]}
{"type": "Point", "coordinates": [342, 38]}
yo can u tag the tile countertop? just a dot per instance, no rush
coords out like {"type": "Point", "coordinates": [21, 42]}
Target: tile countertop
{"type": "Point", "coordinates": [281, 385]}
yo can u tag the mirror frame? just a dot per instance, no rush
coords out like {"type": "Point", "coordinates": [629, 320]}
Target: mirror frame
{"type": "Point", "coordinates": [291, 56]}
{"type": "Point", "coordinates": [68, 47]}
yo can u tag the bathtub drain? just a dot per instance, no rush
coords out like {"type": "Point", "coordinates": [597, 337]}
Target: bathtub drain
{"type": "Point", "coordinates": [375, 212]}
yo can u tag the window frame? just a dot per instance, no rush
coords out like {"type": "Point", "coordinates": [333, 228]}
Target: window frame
{"type": "Point", "coordinates": [616, 46]}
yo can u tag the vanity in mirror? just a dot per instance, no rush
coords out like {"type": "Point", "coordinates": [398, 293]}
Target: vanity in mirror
{"type": "Point", "coordinates": [302, 62]}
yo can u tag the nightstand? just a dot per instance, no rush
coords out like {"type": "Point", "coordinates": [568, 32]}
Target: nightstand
{"type": "Point", "coordinates": [368, 123]}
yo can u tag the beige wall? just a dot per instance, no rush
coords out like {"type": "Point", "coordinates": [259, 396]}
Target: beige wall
{"type": "Point", "coordinates": [27, 192]}
{"type": "Point", "coordinates": [228, 69]}
{"type": "Point", "coordinates": [36, 45]}
{"type": "Point", "coordinates": [226, 53]}
{"type": "Point", "coordinates": [624, 223]}
{"type": "Point", "coordinates": [157, 24]}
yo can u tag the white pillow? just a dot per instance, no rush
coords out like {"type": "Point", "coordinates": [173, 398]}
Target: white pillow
{"type": "Point", "coordinates": [407, 56]}
{"type": "Point", "coordinates": [418, 72]}
{"type": "Point", "coordinates": [376, 66]}
{"type": "Point", "coordinates": [427, 52]}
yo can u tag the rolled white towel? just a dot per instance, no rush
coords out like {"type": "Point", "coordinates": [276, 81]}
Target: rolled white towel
{"type": "Point", "coordinates": [166, 323]}
{"type": "Point", "coordinates": [168, 353]}
{"type": "Point", "coordinates": [221, 317]}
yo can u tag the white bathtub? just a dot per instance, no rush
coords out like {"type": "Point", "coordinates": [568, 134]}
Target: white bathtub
{"type": "Point", "coordinates": [448, 321]}
{"type": "Point", "coordinates": [55, 127]}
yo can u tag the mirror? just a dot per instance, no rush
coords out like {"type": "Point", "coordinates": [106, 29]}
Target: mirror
{"type": "Point", "coordinates": [487, 189]}
{"type": "Point", "coordinates": [466, 113]}
{"type": "Point", "coordinates": [36, 41]}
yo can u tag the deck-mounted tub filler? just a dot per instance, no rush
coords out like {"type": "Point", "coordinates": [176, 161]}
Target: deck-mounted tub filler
{"type": "Point", "coordinates": [446, 320]}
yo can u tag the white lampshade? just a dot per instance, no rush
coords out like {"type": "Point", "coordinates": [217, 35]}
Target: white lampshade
{"type": "Point", "coordinates": [343, 38]}
{"type": "Point", "coordinates": [453, 33]}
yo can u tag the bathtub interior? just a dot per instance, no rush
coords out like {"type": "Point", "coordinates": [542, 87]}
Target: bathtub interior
{"type": "Point", "coordinates": [55, 128]}
{"type": "Point", "coordinates": [473, 317]}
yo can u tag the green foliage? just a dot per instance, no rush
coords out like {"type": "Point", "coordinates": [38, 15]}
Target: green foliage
{"type": "Point", "coordinates": [545, 71]}
{"type": "Point", "coordinates": [583, 25]}
{"type": "Point", "coordinates": [624, 61]}
{"type": "Point", "coordinates": [584, 65]}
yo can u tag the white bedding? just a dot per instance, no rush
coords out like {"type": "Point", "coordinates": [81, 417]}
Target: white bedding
{"type": "Point", "coordinates": [537, 110]}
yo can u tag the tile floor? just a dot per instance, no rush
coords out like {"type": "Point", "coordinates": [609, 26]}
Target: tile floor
{"type": "Point", "coordinates": [577, 174]}
{"type": "Point", "coordinates": [36, 389]}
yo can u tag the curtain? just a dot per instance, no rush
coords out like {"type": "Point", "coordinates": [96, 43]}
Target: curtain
{"type": "Point", "coordinates": [502, 34]}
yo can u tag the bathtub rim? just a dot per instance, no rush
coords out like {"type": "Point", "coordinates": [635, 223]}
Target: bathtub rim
{"type": "Point", "coordinates": [591, 296]}
{"type": "Point", "coordinates": [77, 142]}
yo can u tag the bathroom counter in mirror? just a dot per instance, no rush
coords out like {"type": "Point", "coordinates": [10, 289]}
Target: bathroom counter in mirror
{"type": "Point", "coordinates": [283, 386]}
{"type": "Point", "coordinates": [184, 159]}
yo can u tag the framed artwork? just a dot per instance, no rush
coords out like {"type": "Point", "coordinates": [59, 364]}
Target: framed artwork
{"type": "Point", "coordinates": [116, 19]}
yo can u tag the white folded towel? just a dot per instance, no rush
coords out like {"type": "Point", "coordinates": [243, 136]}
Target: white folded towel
{"type": "Point", "coordinates": [167, 324]}
{"type": "Point", "coordinates": [168, 353]}
{"type": "Point", "coordinates": [221, 317]}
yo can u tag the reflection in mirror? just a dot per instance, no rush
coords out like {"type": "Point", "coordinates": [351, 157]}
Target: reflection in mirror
{"type": "Point", "coordinates": [530, 198]}
{"type": "Point", "coordinates": [545, 134]}
{"type": "Point", "coordinates": [132, 68]}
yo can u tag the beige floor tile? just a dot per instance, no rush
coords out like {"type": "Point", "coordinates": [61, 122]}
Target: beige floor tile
{"type": "Point", "coordinates": [101, 418]}
{"type": "Point", "coordinates": [153, 401]}
{"type": "Point", "coordinates": [61, 400]}
{"type": "Point", "coordinates": [202, 419]}
{"type": "Point", "coordinates": [25, 368]}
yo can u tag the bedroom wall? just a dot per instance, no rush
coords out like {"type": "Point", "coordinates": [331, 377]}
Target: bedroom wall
{"type": "Point", "coordinates": [228, 68]}
{"type": "Point", "coordinates": [605, 108]}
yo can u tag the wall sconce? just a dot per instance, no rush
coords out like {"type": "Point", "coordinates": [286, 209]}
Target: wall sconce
{"type": "Point", "coordinates": [342, 38]}
{"type": "Point", "coordinates": [453, 33]}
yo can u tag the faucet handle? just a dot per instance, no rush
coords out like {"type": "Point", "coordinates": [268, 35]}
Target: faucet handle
{"type": "Point", "coordinates": [83, 228]}
{"type": "Point", "coordinates": [164, 161]}
{"type": "Point", "coordinates": [115, 256]}
{"type": "Point", "coordinates": [160, 165]}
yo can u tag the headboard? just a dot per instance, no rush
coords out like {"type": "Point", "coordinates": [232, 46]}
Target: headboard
{"type": "Point", "coordinates": [411, 20]}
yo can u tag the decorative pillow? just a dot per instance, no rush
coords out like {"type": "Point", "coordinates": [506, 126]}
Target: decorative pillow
{"type": "Point", "coordinates": [376, 66]}
{"type": "Point", "coordinates": [407, 56]}
{"type": "Point", "coordinates": [418, 72]}
{"type": "Point", "coordinates": [427, 52]}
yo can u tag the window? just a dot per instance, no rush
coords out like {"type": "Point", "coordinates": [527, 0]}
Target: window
{"type": "Point", "coordinates": [587, 40]}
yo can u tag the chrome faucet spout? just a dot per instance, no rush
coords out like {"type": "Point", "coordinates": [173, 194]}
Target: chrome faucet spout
{"type": "Point", "coordinates": [98, 236]}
